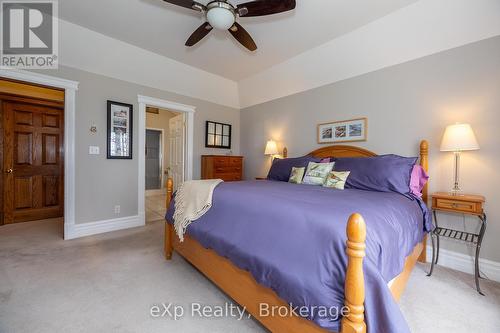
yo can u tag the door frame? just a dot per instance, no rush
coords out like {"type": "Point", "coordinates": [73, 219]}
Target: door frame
{"type": "Point", "coordinates": [70, 88]}
{"type": "Point", "coordinates": [162, 189]}
{"type": "Point", "coordinates": [188, 111]}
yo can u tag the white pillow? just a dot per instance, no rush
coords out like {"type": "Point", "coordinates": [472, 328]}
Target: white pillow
{"type": "Point", "coordinates": [317, 172]}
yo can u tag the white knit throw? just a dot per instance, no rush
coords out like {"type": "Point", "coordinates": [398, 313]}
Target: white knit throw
{"type": "Point", "coordinates": [192, 200]}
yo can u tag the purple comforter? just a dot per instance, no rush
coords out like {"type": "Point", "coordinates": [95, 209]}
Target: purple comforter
{"type": "Point", "coordinates": [291, 238]}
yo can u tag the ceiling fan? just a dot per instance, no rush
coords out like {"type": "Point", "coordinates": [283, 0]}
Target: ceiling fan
{"type": "Point", "coordinates": [220, 14]}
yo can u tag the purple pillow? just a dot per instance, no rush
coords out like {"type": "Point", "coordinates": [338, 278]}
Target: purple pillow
{"type": "Point", "coordinates": [385, 173]}
{"type": "Point", "coordinates": [281, 168]}
{"type": "Point", "coordinates": [418, 180]}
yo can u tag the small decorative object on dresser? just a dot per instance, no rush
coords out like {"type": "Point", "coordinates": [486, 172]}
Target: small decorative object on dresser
{"type": "Point", "coordinates": [343, 131]}
{"type": "Point", "coordinates": [459, 204]}
{"type": "Point", "coordinates": [227, 168]}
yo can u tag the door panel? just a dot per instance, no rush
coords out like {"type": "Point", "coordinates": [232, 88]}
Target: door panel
{"type": "Point", "coordinates": [23, 192]}
{"type": "Point", "coordinates": [23, 145]}
{"type": "Point", "coordinates": [176, 150]}
{"type": "Point", "coordinates": [33, 162]}
{"type": "Point", "coordinates": [50, 149]}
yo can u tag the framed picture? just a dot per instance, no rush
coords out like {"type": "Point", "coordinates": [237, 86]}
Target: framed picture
{"type": "Point", "coordinates": [218, 135]}
{"type": "Point", "coordinates": [343, 131]}
{"type": "Point", "coordinates": [119, 141]}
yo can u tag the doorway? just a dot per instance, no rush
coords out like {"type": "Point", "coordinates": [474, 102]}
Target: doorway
{"type": "Point", "coordinates": [164, 157]}
{"type": "Point", "coordinates": [178, 136]}
{"type": "Point", "coordinates": [31, 152]}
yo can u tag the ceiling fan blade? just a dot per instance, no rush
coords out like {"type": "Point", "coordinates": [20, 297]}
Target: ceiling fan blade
{"type": "Point", "coordinates": [187, 4]}
{"type": "Point", "coordinates": [264, 7]}
{"type": "Point", "coordinates": [242, 36]}
{"type": "Point", "coordinates": [199, 34]}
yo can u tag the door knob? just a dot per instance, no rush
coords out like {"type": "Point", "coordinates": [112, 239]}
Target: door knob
{"type": "Point", "coordinates": [9, 170]}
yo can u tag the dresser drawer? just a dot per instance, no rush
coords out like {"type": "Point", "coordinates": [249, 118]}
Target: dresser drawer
{"type": "Point", "coordinates": [464, 206]}
{"type": "Point", "coordinates": [227, 169]}
{"type": "Point", "coordinates": [221, 161]}
{"type": "Point", "coordinates": [235, 161]}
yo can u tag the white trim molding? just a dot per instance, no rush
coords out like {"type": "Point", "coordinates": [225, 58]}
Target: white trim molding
{"type": "Point", "coordinates": [70, 88]}
{"type": "Point", "coordinates": [189, 111]}
{"type": "Point", "coordinates": [99, 227]}
{"type": "Point", "coordinates": [460, 262]}
{"type": "Point", "coordinates": [77, 49]}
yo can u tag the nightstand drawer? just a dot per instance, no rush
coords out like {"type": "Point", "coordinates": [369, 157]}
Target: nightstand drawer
{"type": "Point", "coordinates": [463, 206]}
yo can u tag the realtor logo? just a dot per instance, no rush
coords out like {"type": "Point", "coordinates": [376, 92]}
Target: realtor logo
{"type": "Point", "coordinates": [29, 34]}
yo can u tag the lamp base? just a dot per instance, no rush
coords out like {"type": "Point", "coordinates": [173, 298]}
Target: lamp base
{"type": "Point", "coordinates": [456, 191]}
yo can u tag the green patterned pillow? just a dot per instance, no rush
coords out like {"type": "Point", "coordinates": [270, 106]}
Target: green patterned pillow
{"type": "Point", "coordinates": [296, 175]}
{"type": "Point", "coordinates": [317, 172]}
{"type": "Point", "coordinates": [336, 179]}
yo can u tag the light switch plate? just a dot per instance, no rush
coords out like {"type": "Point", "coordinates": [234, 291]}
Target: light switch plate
{"type": "Point", "coordinates": [93, 150]}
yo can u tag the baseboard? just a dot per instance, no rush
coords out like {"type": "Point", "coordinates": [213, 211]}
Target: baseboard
{"type": "Point", "coordinates": [465, 263]}
{"type": "Point", "coordinates": [93, 228]}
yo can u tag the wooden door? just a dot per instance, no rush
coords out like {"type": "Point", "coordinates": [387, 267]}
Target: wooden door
{"type": "Point", "coordinates": [176, 150]}
{"type": "Point", "coordinates": [32, 162]}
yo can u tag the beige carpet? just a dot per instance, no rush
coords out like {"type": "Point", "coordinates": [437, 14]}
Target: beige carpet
{"type": "Point", "coordinates": [108, 283]}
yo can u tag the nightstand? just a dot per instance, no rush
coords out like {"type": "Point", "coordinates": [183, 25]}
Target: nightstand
{"type": "Point", "coordinates": [464, 205]}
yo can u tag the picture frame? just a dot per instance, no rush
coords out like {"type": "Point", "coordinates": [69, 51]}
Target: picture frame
{"type": "Point", "coordinates": [351, 130]}
{"type": "Point", "coordinates": [218, 135]}
{"type": "Point", "coordinates": [120, 130]}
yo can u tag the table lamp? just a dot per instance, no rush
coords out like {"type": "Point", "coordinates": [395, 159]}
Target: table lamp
{"type": "Point", "coordinates": [271, 148]}
{"type": "Point", "coordinates": [458, 138]}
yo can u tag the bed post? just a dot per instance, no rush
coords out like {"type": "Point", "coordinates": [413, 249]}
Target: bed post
{"type": "Point", "coordinates": [354, 321]}
{"type": "Point", "coordinates": [424, 163]}
{"type": "Point", "coordinates": [169, 232]}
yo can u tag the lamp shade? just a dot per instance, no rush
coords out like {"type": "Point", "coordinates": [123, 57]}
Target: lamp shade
{"type": "Point", "coordinates": [271, 148]}
{"type": "Point", "coordinates": [459, 137]}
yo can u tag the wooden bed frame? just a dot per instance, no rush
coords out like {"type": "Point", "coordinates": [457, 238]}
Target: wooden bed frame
{"type": "Point", "coordinates": [243, 288]}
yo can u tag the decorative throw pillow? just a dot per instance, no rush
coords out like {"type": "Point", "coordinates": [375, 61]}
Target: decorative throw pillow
{"type": "Point", "coordinates": [281, 168]}
{"type": "Point", "coordinates": [296, 175]}
{"type": "Point", "coordinates": [385, 173]}
{"type": "Point", "coordinates": [336, 179]}
{"type": "Point", "coordinates": [418, 180]}
{"type": "Point", "coordinates": [317, 172]}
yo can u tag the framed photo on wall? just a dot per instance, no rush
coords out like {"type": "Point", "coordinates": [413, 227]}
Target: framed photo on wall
{"type": "Point", "coordinates": [218, 135]}
{"type": "Point", "coordinates": [343, 131]}
{"type": "Point", "coordinates": [119, 140]}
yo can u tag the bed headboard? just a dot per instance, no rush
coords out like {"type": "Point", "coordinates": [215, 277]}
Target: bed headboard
{"type": "Point", "coordinates": [353, 151]}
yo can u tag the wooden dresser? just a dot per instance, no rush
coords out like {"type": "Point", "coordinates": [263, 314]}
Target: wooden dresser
{"type": "Point", "coordinates": [227, 168]}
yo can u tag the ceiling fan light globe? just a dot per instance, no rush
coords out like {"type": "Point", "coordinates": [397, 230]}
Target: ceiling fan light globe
{"type": "Point", "coordinates": [220, 18]}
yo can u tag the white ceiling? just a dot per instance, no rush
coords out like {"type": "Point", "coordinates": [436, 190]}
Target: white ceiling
{"type": "Point", "coordinates": [163, 28]}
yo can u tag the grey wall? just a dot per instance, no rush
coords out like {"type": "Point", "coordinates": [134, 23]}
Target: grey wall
{"type": "Point", "coordinates": [101, 183]}
{"type": "Point", "coordinates": [404, 104]}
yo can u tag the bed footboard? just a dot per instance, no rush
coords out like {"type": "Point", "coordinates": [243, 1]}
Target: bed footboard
{"type": "Point", "coordinates": [169, 229]}
{"type": "Point", "coordinates": [352, 322]}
